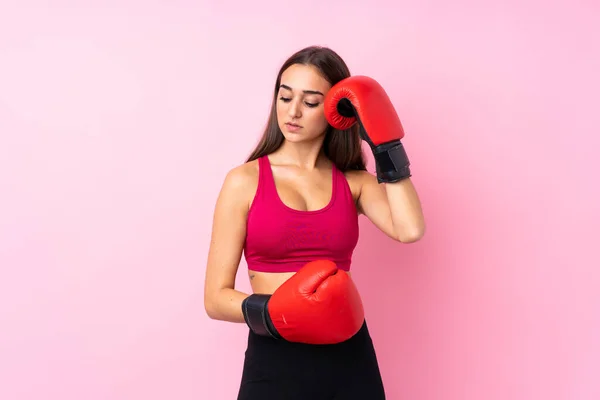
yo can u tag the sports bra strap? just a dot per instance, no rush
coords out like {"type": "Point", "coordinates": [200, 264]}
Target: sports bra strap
{"type": "Point", "coordinates": [266, 182]}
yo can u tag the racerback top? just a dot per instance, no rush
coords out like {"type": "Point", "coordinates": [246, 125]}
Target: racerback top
{"type": "Point", "coordinates": [282, 239]}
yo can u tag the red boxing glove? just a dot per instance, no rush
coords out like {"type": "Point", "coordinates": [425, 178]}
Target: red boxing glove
{"type": "Point", "coordinates": [318, 305]}
{"type": "Point", "coordinates": [361, 99]}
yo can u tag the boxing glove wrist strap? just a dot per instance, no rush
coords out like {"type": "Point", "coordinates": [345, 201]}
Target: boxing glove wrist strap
{"type": "Point", "coordinates": [256, 315]}
{"type": "Point", "coordinates": [391, 162]}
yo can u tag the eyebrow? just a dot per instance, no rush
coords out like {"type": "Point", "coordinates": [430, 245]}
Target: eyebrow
{"type": "Point", "coordinates": [304, 91]}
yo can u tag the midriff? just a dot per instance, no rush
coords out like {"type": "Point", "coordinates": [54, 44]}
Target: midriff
{"type": "Point", "coordinates": [268, 282]}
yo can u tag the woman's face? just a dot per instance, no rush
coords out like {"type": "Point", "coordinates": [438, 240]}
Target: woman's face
{"type": "Point", "coordinates": [300, 103]}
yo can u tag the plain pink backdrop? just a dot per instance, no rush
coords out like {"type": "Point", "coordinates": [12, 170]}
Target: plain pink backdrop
{"type": "Point", "coordinates": [120, 119]}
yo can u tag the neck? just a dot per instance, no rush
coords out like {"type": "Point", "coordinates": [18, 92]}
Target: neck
{"type": "Point", "coordinates": [306, 155]}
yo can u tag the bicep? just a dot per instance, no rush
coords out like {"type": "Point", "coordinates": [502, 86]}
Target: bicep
{"type": "Point", "coordinates": [373, 203]}
{"type": "Point", "coordinates": [227, 237]}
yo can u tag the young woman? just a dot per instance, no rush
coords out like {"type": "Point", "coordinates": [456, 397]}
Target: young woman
{"type": "Point", "coordinates": [296, 200]}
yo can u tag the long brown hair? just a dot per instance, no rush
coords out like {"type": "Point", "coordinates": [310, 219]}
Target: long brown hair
{"type": "Point", "coordinates": [343, 148]}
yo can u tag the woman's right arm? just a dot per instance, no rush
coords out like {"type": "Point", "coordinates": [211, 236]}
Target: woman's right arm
{"type": "Point", "coordinates": [221, 300]}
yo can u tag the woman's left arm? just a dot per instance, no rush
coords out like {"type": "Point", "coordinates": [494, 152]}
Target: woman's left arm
{"type": "Point", "coordinates": [394, 208]}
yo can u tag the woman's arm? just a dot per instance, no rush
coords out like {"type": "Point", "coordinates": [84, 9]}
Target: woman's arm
{"type": "Point", "coordinates": [394, 208]}
{"type": "Point", "coordinates": [221, 300]}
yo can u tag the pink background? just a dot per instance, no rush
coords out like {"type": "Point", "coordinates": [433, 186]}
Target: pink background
{"type": "Point", "coordinates": [119, 120]}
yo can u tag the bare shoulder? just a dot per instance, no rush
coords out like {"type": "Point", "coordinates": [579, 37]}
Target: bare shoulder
{"type": "Point", "coordinates": [240, 182]}
{"type": "Point", "coordinates": [243, 175]}
{"type": "Point", "coordinates": [356, 180]}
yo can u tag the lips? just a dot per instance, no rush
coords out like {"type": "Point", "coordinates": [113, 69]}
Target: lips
{"type": "Point", "coordinates": [291, 127]}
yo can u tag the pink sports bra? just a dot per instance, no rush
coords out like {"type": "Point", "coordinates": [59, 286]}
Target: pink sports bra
{"type": "Point", "coordinates": [282, 239]}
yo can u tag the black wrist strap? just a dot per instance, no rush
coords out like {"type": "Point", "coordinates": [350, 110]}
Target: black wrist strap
{"type": "Point", "coordinates": [256, 315]}
{"type": "Point", "coordinates": [391, 162]}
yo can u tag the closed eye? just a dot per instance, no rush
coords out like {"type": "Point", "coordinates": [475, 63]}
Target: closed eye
{"type": "Point", "coordinates": [287, 100]}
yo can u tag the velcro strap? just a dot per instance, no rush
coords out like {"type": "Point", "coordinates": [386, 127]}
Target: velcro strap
{"type": "Point", "coordinates": [391, 162]}
{"type": "Point", "coordinates": [256, 315]}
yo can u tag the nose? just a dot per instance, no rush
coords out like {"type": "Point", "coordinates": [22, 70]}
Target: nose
{"type": "Point", "coordinates": [294, 108]}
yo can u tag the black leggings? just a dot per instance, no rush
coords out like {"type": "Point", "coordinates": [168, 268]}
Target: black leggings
{"type": "Point", "coordinates": [279, 370]}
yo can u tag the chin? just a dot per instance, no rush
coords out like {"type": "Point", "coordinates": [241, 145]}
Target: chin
{"type": "Point", "coordinates": [294, 138]}
{"type": "Point", "coordinates": [297, 137]}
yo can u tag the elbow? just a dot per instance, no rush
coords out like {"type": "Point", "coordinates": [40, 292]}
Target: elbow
{"type": "Point", "coordinates": [210, 308]}
{"type": "Point", "coordinates": [411, 236]}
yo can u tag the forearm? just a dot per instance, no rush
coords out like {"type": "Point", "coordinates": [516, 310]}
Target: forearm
{"type": "Point", "coordinates": [226, 305]}
{"type": "Point", "coordinates": [405, 209]}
